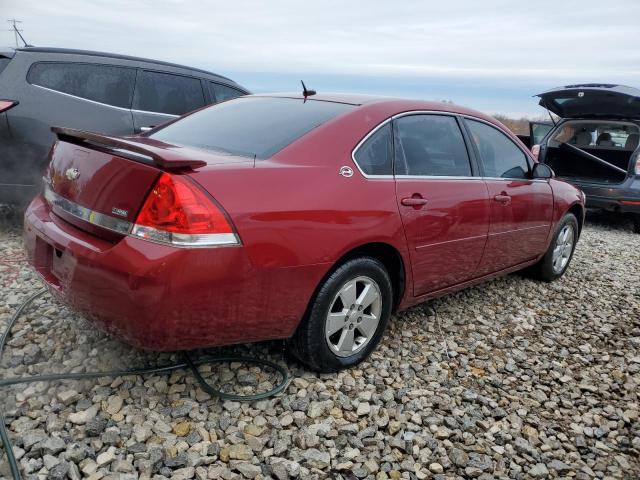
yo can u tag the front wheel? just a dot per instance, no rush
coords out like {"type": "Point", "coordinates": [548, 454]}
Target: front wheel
{"type": "Point", "coordinates": [346, 318]}
{"type": "Point", "coordinates": [557, 258]}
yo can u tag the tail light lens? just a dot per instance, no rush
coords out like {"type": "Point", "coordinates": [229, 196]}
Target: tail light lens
{"type": "Point", "coordinates": [636, 169]}
{"type": "Point", "coordinates": [7, 104]}
{"type": "Point", "coordinates": [535, 151]}
{"type": "Point", "coordinates": [177, 212]}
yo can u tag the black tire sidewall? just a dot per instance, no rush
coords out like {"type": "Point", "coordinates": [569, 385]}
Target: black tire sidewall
{"type": "Point", "coordinates": [312, 348]}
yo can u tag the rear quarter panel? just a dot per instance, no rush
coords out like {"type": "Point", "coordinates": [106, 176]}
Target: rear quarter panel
{"type": "Point", "coordinates": [296, 216]}
{"type": "Point", "coordinates": [296, 209]}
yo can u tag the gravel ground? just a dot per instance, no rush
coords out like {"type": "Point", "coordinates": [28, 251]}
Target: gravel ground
{"type": "Point", "coordinates": [514, 379]}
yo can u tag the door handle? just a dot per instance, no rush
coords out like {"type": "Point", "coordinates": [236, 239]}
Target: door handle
{"type": "Point", "coordinates": [415, 201]}
{"type": "Point", "coordinates": [503, 198]}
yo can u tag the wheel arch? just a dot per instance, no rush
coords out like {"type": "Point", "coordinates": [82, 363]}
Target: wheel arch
{"type": "Point", "coordinates": [386, 254]}
{"type": "Point", "coordinates": [578, 211]}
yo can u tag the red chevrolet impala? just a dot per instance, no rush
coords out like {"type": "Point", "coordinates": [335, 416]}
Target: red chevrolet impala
{"type": "Point", "coordinates": [283, 216]}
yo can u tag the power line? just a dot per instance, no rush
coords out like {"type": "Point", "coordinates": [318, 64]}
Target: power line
{"type": "Point", "coordinates": [16, 31]}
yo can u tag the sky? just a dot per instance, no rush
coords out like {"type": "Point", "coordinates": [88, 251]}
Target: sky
{"type": "Point", "coordinates": [491, 55]}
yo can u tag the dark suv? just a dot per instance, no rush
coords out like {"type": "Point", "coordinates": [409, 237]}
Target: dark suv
{"type": "Point", "coordinates": [101, 92]}
{"type": "Point", "coordinates": [595, 144]}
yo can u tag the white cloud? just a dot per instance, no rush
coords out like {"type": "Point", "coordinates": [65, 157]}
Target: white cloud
{"type": "Point", "coordinates": [547, 41]}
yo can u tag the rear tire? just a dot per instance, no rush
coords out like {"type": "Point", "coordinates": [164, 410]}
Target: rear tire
{"type": "Point", "coordinates": [346, 318]}
{"type": "Point", "coordinates": [558, 257]}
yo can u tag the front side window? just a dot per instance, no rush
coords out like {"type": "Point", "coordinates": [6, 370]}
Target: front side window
{"type": "Point", "coordinates": [500, 157]}
{"type": "Point", "coordinates": [221, 92]}
{"type": "Point", "coordinates": [374, 155]}
{"type": "Point", "coordinates": [167, 93]}
{"type": "Point", "coordinates": [250, 126]}
{"type": "Point", "coordinates": [101, 83]}
{"type": "Point", "coordinates": [430, 145]}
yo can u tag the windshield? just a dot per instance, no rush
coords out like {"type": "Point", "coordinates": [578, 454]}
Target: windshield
{"type": "Point", "coordinates": [250, 126]}
{"type": "Point", "coordinates": [597, 135]}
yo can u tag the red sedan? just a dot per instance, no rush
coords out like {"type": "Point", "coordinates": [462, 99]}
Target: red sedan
{"type": "Point", "coordinates": [283, 216]}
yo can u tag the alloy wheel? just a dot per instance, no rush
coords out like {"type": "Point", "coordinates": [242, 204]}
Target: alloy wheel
{"type": "Point", "coordinates": [354, 316]}
{"type": "Point", "coordinates": [563, 249]}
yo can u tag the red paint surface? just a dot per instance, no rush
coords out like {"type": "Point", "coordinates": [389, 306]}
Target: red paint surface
{"type": "Point", "coordinates": [296, 217]}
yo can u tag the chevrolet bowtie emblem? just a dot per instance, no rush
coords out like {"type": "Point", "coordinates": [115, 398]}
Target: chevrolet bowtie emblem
{"type": "Point", "coordinates": [72, 173]}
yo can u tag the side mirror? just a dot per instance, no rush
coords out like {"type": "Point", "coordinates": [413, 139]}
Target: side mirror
{"type": "Point", "coordinates": [541, 170]}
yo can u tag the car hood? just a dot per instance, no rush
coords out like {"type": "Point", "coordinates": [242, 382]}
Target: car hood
{"type": "Point", "coordinates": [592, 100]}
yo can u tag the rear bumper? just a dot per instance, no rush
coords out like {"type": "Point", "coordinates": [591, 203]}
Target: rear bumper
{"type": "Point", "coordinates": [622, 198]}
{"type": "Point", "coordinates": [160, 297]}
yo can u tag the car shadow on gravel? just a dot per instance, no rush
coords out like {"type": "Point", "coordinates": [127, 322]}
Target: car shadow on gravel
{"type": "Point", "coordinates": [611, 220]}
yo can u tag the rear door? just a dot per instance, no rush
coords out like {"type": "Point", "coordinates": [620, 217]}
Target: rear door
{"type": "Point", "coordinates": [87, 96]}
{"type": "Point", "coordinates": [521, 207]}
{"type": "Point", "coordinates": [443, 203]}
{"type": "Point", "coordinates": [161, 96]}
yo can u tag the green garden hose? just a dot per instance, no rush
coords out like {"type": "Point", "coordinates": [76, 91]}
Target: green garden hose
{"type": "Point", "coordinates": [187, 363]}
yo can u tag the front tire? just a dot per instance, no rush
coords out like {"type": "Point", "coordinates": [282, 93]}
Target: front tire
{"type": "Point", "coordinates": [347, 317]}
{"type": "Point", "coordinates": [558, 257]}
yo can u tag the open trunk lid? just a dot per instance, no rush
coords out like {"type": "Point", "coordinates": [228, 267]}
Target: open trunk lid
{"type": "Point", "coordinates": [99, 183]}
{"type": "Point", "coordinates": [592, 100]}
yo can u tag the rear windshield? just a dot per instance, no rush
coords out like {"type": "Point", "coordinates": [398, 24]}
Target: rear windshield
{"type": "Point", "coordinates": [3, 63]}
{"type": "Point", "coordinates": [250, 126]}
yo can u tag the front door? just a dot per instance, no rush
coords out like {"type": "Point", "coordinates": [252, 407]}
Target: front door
{"type": "Point", "coordinates": [521, 207]}
{"type": "Point", "coordinates": [444, 207]}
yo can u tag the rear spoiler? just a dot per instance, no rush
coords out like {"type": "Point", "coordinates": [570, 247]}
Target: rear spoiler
{"type": "Point", "coordinates": [130, 149]}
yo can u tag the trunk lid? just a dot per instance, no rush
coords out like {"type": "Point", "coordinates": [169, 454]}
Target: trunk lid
{"type": "Point", "coordinates": [592, 100]}
{"type": "Point", "coordinates": [100, 183]}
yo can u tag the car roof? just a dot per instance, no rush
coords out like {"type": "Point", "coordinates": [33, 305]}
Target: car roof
{"type": "Point", "coordinates": [91, 53]}
{"type": "Point", "coordinates": [391, 104]}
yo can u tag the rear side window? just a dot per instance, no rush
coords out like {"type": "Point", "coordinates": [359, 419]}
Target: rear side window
{"type": "Point", "coordinates": [3, 63]}
{"type": "Point", "coordinates": [430, 145]}
{"type": "Point", "coordinates": [167, 93]}
{"type": "Point", "coordinates": [221, 92]}
{"type": "Point", "coordinates": [500, 157]}
{"type": "Point", "coordinates": [250, 126]}
{"type": "Point", "coordinates": [374, 155]}
{"type": "Point", "coordinates": [107, 84]}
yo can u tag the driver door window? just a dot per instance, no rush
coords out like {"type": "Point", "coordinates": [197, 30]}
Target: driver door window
{"type": "Point", "coordinates": [501, 158]}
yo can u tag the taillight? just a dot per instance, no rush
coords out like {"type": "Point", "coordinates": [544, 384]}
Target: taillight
{"type": "Point", "coordinates": [7, 104]}
{"type": "Point", "coordinates": [535, 151]}
{"type": "Point", "coordinates": [636, 169]}
{"type": "Point", "coordinates": [178, 212]}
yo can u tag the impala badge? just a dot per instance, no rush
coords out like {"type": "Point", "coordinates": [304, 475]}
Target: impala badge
{"type": "Point", "coordinates": [119, 211]}
{"type": "Point", "coordinates": [346, 171]}
{"type": "Point", "coordinates": [72, 173]}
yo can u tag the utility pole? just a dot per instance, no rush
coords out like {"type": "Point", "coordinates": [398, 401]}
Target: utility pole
{"type": "Point", "coordinates": [16, 31]}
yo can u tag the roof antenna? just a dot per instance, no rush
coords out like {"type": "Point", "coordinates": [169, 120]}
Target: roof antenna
{"type": "Point", "coordinates": [305, 92]}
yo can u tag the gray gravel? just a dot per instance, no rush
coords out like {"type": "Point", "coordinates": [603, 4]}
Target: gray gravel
{"type": "Point", "coordinates": [518, 379]}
